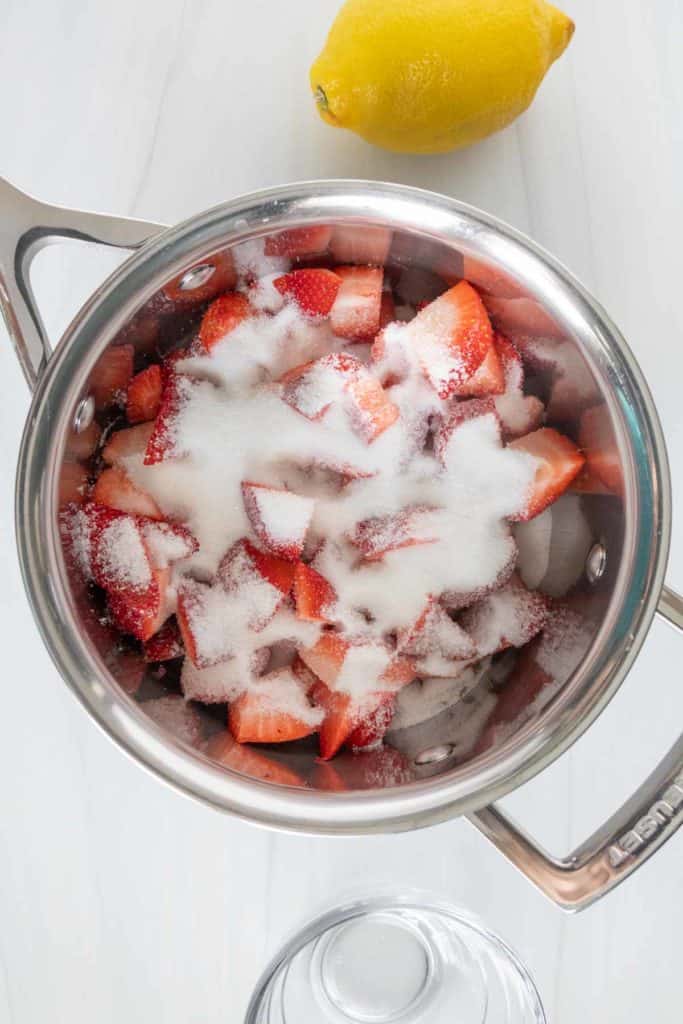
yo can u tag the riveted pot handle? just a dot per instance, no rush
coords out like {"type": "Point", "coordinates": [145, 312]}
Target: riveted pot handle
{"type": "Point", "coordinates": [26, 226]}
{"type": "Point", "coordinates": [646, 820]}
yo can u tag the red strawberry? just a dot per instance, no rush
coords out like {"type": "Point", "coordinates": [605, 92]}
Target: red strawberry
{"type": "Point", "coordinates": [141, 613]}
{"type": "Point", "coordinates": [124, 443]}
{"type": "Point", "coordinates": [373, 410]}
{"type": "Point", "coordinates": [223, 749]}
{"type": "Point", "coordinates": [313, 290]}
{"type": "Point", "coordinates": [162, 443]}
{"type": "Point", "coordinates": [334, 652]}
{"type": "Point", "coordinates": [451, 336]}
{"type": "Point", "coordinates": [387, 312]}
{"type": "Point", "coordinates": [312, 387]}
{"type": "Point", "coordinates": [435, 633]}
{"type": "Point", "coordinates": [222, 280]}
{"type": "Point", "coordinates": [164, 645]}
{"type": "Point", "coordinates": [339, 721]}
{"type": "Point", "coordinates": [279, 518]}
{"type": "Point", "coordinates": [488, 379]}
{"type": "Point", "coordinates": [360, 243]}
{"type": "Point", "coordinates": [168, 542]}
{"type": "Point", "coordinates": [204, 615]}
{"type": "Point", "coordinates": [274, 710]}
{"type": "Point", "coordinates": [298, 242]}
{"type": "Point", "coordinates": [144, 395]}
{"type": "Point", "coordinates": [313, 595]}
{"type": "Point", "coordinates": [508, 617]}
{"type": "Point", "coordinates": [373, 723]}
{"type": "Point", "coordinates": [558, 462]}
{"type": "Point", "coordinates": [244, 557]}
{"type": "Point", "coordinates": [110, 375]}
{"type": "Point", "coordinates": [306, 677]}
{"type": "Point", "coordinates": [223, 315]}
{"type": "Point", "coordinates": [116, 490]}
{"type": "Point", "coordinates": [461, 412]}
{"type": "Point", "coordinates": [380, 534]}
{"type": "Point", "coordinates": [356, 311]}
{"type": "Point", "coordinates": [79, 447]}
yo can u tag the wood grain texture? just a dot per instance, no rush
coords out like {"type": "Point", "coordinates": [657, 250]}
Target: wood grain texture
{"type": "Point", "coordinates": [122, 901]}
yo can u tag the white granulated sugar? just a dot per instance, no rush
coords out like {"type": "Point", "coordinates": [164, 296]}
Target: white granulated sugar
{"type": "Point", "coordinates": [510, 616]}
{"type": "Point", "coordinates": [563, 643]}
{"type": "Point", "coordinates": [361, 668]}
{"type": "Point", "coordinates": [572, 538]}
{"type": "Point", "coordinates": [251, 261]}
{"type": "Point", "coordinates": [215, 684]}
{"type": "Point", "coordinates": [285, 517]}
{"type": "Point", "coordinates": [79, 539]}
{"type": "Point", "coordinates": [263, 295]}
{"type": "Point", "coordinates": [281, 692]}
{"type": "Point", "coordinates": [165, 545]}
{"type": "Point", "coordinates": [533, 544]}
{"type": "Point", "coordinates": [121, 555]}
{"type": "Point", "coordinates": [436, 633]}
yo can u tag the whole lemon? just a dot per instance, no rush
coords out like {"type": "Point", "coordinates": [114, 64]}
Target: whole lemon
{"type": "Point", "coordinates": [427, 76]}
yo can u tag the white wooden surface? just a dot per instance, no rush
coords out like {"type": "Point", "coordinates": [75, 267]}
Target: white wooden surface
{"type": "Point", "coordinates": [122, 901]}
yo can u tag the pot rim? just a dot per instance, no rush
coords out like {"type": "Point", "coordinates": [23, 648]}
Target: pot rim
{"type": "Point", "coordinates": [647, 508]}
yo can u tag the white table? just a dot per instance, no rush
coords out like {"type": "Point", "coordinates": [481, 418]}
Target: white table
{"type": "Point", "coordinates": [121, 901]}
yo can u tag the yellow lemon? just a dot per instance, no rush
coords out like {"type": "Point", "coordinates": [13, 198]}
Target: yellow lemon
{"type": "Point", "coordinates": [426, 76]}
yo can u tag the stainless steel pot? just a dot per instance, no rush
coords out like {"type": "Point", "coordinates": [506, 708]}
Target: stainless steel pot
{"type": "Point", "coordinates": [584, 362]}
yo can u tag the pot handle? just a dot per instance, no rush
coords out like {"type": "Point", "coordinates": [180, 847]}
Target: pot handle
{"type": "Point", "coordinates": [622, 844]}
{"type": "Point", "coordinates": [26, 226]}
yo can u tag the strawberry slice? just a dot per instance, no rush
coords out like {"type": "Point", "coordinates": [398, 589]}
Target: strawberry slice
{"type": "Point", "coordinates": [360, 243]}
{"type": "Point", "coordinates": [123, 444]}
{"type": "Point", "coordinates": [274, 710]}
{"type": "Point", "coordinates": [356, 312]}
{"type": "Point", "coordinates": [240, 758]}
{"type": "Point", "coordinates": [339, 662]}
{"type": "Point", "coordinates": [435, 632]}
{"type": "Point", "coordinates": [519, 414]}
{"type": "Point", "coordinates": [313, 594]}
{"type": "Point", "coordinates": [141, 612]}
{"type": "Point", "coordinates": [223, 279]}
{"type": "Point", "coordinates": [339, 721]}
{"type": "Point", "coordinates": [460, 413]}
{"type": "Point", "coordinates": [163, 443]}
{"type": "Point", "coordinates": [221, 683]}
{"type": "Point", "coordinates": [205, 616]}
{"type": "Point", "coordinates": [243, 560]}
{"type": "Point", "coordinates": [380, 534]}
{"type": "Point", "coordinates": [508, 617]}
{"type": "Point", "coordinates": [298, 242]}
{"type": "Point", "coordinates": [110, 375]}
{"type": "Point", "coordinates": [279, 518]}
{"type": "Point", "coordinates": [313, 290]}
{"type": "Point", "coordinates": [168, 542]}
{"type": "Point", "coordinates": [223, 315]}
{"type": "Point", "coordinates": [312, 387]}
{"type": "Point", "coordinates": [373, 411]}
{"type": "Point", "coordinates": [387, 312]}
{"type": "Point", "coordinates": [452, 336]}
{"type": "Point", "coordinates": [144, 395]}
{"type": "Point", "coordinates": [373, 724]}
{"type": "Point", "coordinates": [525, 683]}
{"type": "Point", "coordinates": [164, 645]}
{"type": "Point", "coordinates": [488, 379]}
{"type": "Point", "coordinates": [115, 489]}
{"type": "Point", "coordinates": [558, 461]}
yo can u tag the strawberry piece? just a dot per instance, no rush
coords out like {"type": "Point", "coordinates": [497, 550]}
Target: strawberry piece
{"type": "Point", "coordinates": [558, 461]}
{"type": "Point", "coordinates": [488, 379]}
{"type": "Point", "coordinates": [162, 443]}
{"type": "Point", "coordinates": [373, 410]}
{"type": "Point", "coordinates": [356, 312]}
{"type": "Point", "coordinates": [110, 375]}
{"type": "Point", "coordinates": [337, 660]}
{"type": "Point", "coordinates": [451, 336]}
{"type": "Point", "coordinates": [223, 315]}
{"type": "Point", "coordinates": [223, 279]}
{"type": "Point", "coordinates": [115, 489]}
{"type": "Point", "coordinates": [373, 724]}
{"type": "Point", "coordinates": [144, 395]}
{"type": "Point", "coordinates": [221, 683]}
{"type": "Point", "coordinates": [279, 518]}
{"type": "Point", "coordinates": [304, 674]}
{"type": "Point", "coordinates": [119, 557]}
{"type": "Point", "coordinates": [339, 721]}
{"type": "Point", "coordinates": [141, 612]}
{"type": "Point", "coordinates": [274, 710]}
{"type": "Point", "coordinates": [360, 243]}
{"type": "Point", "coordinates": [164, 645]}
{"type": "Point", "coordinates": [387, 312]}
{"type": "Point", "coordinates": [80, 447]}
{"type": "Point", "coordinates": [312, 387]}
{"type": "Point", "coordinates": [313, 290]}
{"type": "Point", "coordinates": [240, 758]}
{"type": "Point", "coordinates": [123, 444]}
{"type": "Point", "coordinates": [434, 632]}
{"type": "Point", "coordinates": [314, 596]}
{"type": "Point", "coordinates": [380, 534]}
{"type": "Point", "coordinates": [519, 414]}
{"type": "Point", "coordinates": [205, 615]}
{"type": "Point", "coordinates": [168, 542]}
{"type": "Point", "coordinates": [508, 617]}
{"type": "Point", "coordinates": [243, 560]}
{"type": "Point", "coordinates": [298, 242]}
{"type": "Point", "coordinates": [460, 413]}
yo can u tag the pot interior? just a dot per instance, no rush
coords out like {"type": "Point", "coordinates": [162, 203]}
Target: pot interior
{"type": "Point", "coordinates": [575, 553]}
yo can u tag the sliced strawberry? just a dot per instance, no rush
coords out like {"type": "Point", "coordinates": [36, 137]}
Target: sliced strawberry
{"type": "Point", "coordinates": [434, 632]}
{"type": "Point", "coordinates": [168, 542]}
{"type": "Point", "coordinates": [339, 661]}
{"type": "Point", "coordinates": [313, 290]}
{"type": "Point", "coordinates": [451, 336]}
{"type": "Point", "coordinates": [274, 710]}
{"type": "Point", "coordinates": [163, 443]}
{"type": "Point", "coordinates": [373, 723]}
{"type": "Point", "coordinates": [314, 596]}
{"type": "Point", "coordinates": [360, 243]}
{"type": "Point", "coordinates": [80, 447]}
{"type": "Point", "coordinates": [304, 674]}
{"type": "Point", "coordinates": [244, 558]}
{"type": "Point", "coordinates": [226, 751]}
{"type": "Point", "coordinates": [222, 280]}
{"type": "Point", "coordinates": [298, 242]}
{"type": "Point", "coordinates": [339, 721]}
{"type": "Point", "coordinates": [387, 312]}
{"type": "Point", "coordinates": [205, 616]}
{"type": "Point", "coordinates": [144, 395]}
{"type": "Point", "coordinates": [373, 411]}
{"type": "Point", "coordinates": [558, 461]}
{"type": "Point", "coordinates": [460, 413]}
{"type": "Point", "coordinates": [123, 444]}
{"type": "Point", "coordinates": [223, 315]}
{"type": "Point", "coordinates": [141, 612]}
{"type": "Point", "coordinates": [166, 644]}
{"type": "Point", "coordinates": [488, 379]}
{"type": "Point", "coordinates": [279, 518]}
{"type": "Point", "coordinates": [110, 375]}
{"type": "Point", "coordinates": [508, 617]}
{"type": "Point", "coordinates": [119, 556]}
{"type": "Point", "coordinates": [518, 413]}
{"type": "Point", "coordinates": [221, 683]}
{"type": "Point", "coordinates": [115, 489]}
{"type": "Point", "coordinates": [312, 387]}
{"type": "Point", "coordinates": [356, 311]}
{"type": "Point", "coordinates": [381, 534]}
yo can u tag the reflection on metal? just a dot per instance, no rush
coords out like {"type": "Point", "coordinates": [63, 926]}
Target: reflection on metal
{"type": "Point", "coordinates": [85, 411]}
{"type": "Point", "coordinates": [195, 277]}
{"type": "Point", "coordinates": [435, 754]}
{"type": "Point", "coordinates": [596, 562]}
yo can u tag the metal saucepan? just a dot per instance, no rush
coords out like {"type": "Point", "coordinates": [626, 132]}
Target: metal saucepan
{"type": "Point", "coordinates": [154, 299]}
